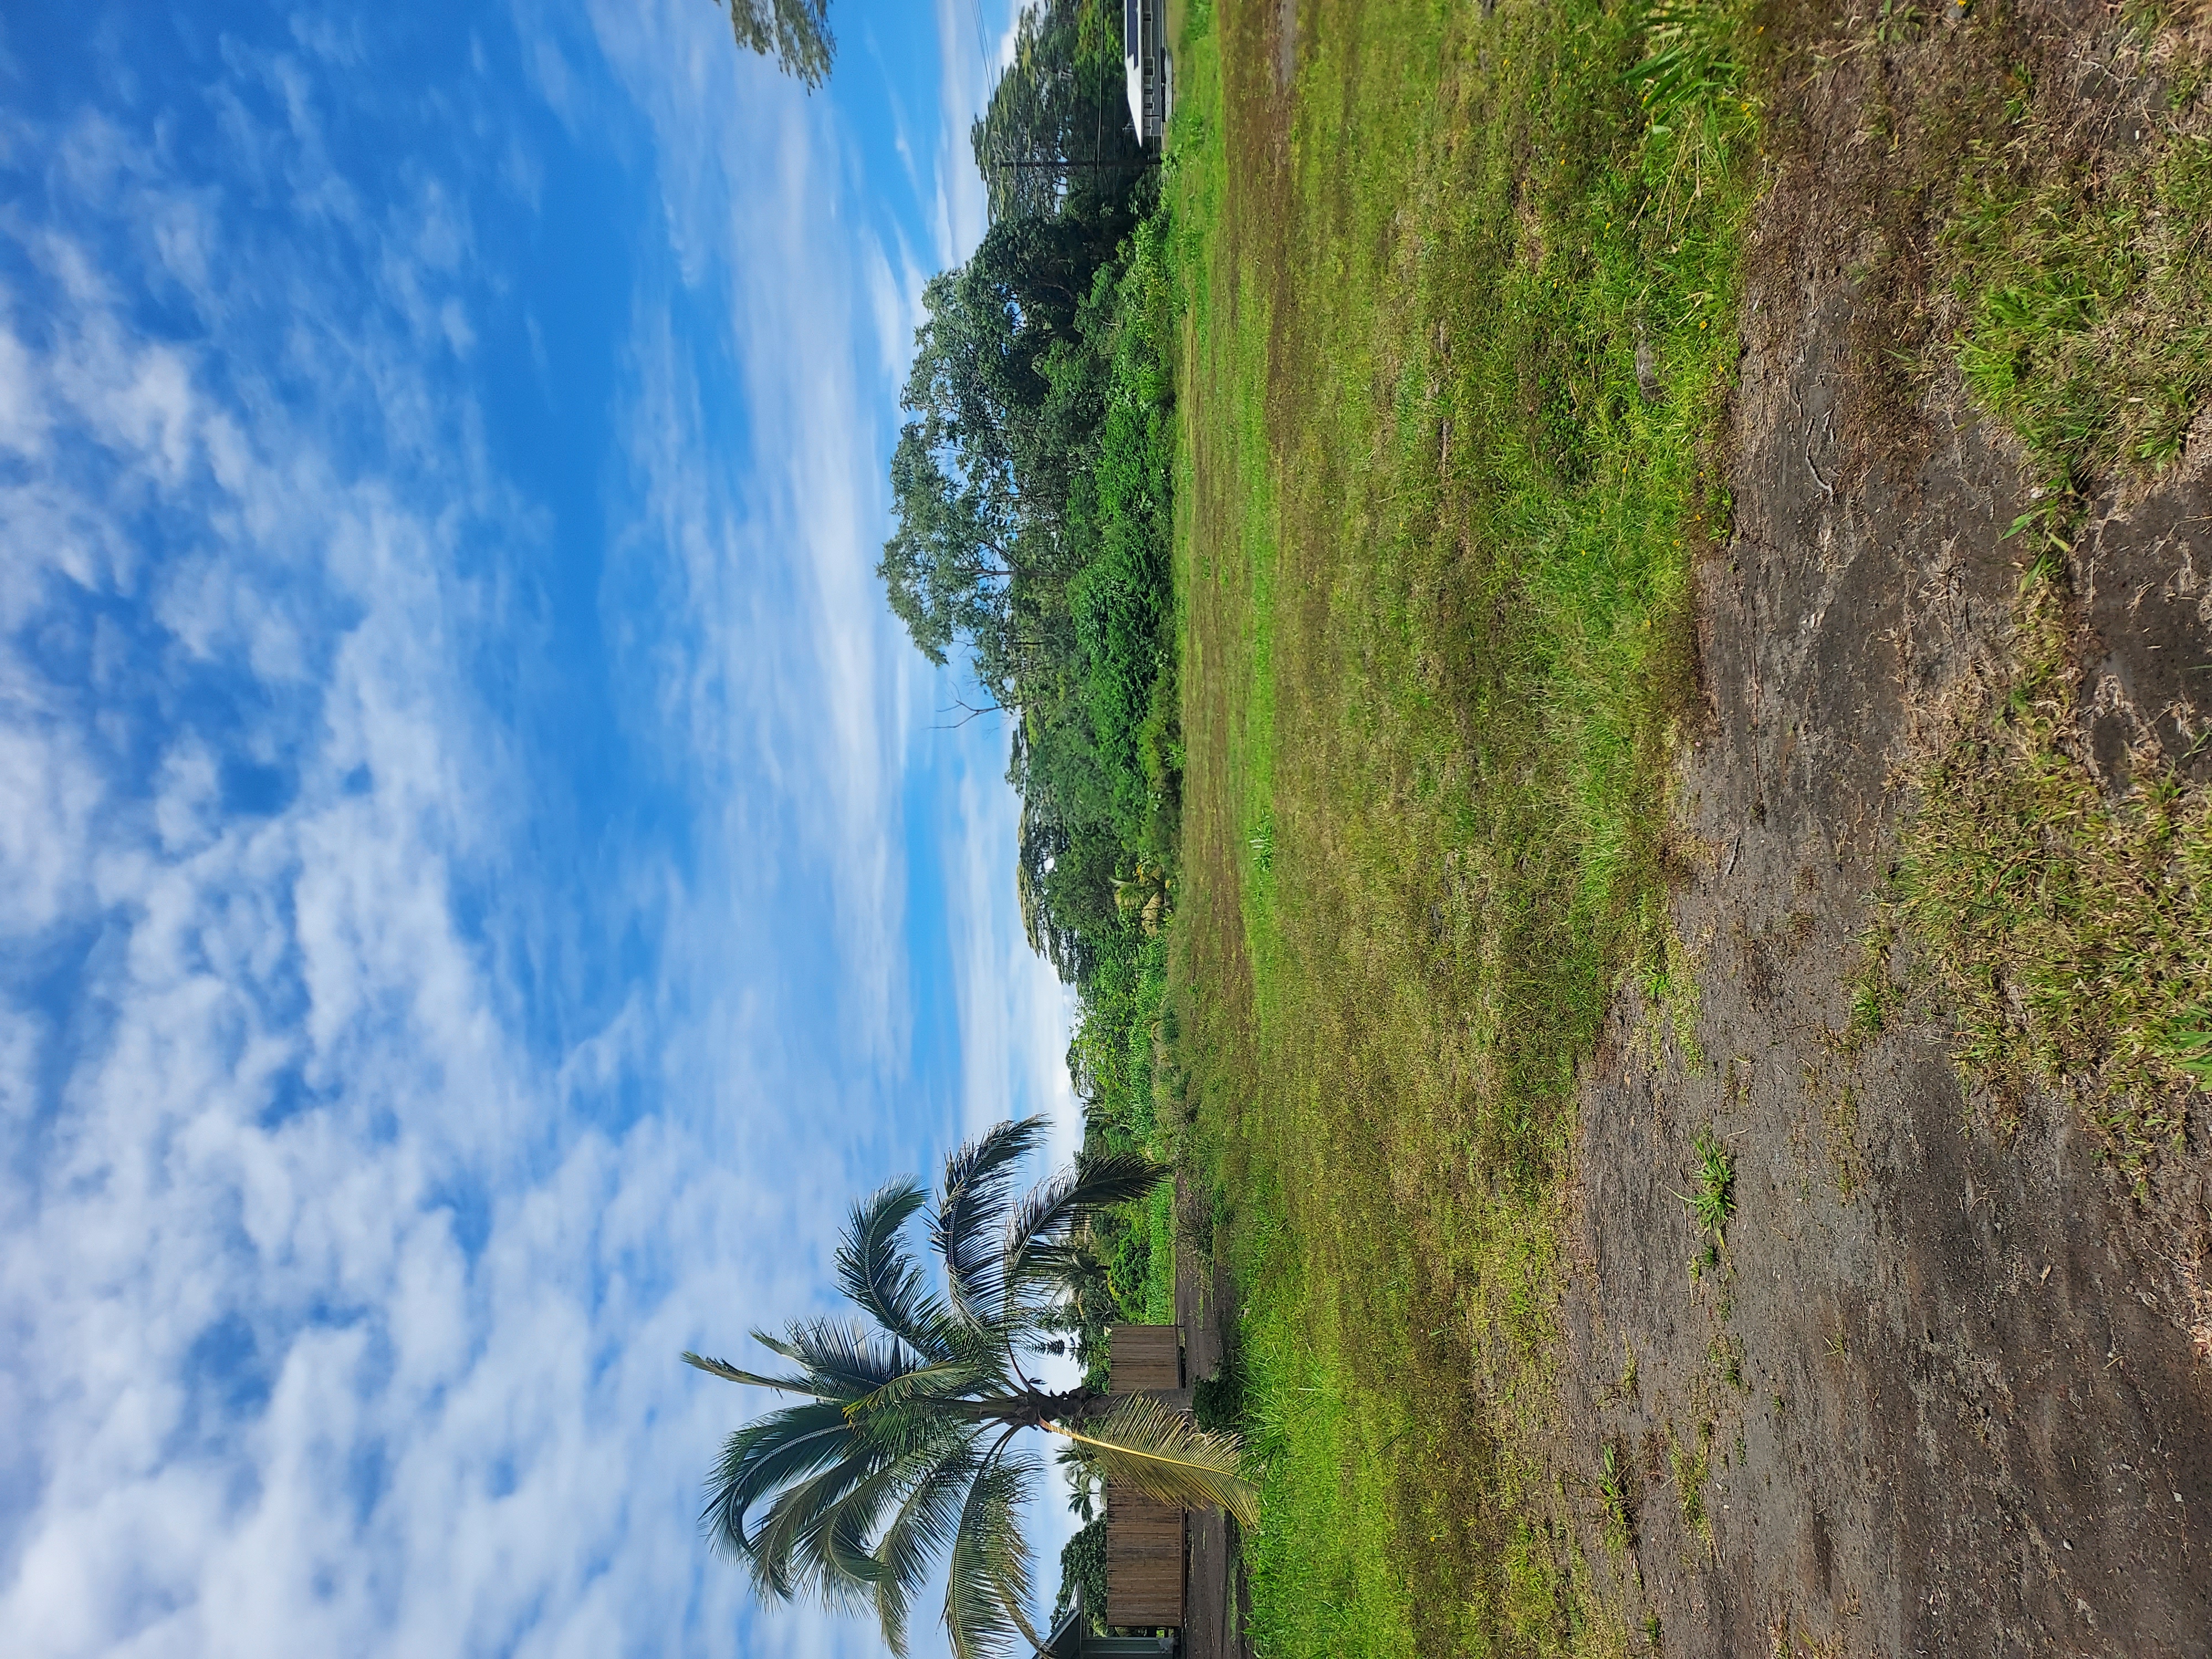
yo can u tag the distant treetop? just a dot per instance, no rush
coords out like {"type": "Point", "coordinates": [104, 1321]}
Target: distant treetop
{"type": "Point", "coordinates": [1057, 125]}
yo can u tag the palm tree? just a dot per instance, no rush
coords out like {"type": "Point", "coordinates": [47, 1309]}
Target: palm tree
{"type": "Point", "coordinates": [901, 1448]}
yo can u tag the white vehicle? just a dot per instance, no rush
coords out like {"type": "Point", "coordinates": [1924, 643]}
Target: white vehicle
{"type": "Point", "coordinates": [1151, 72]}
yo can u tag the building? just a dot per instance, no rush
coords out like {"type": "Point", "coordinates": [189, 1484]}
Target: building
{"type": "Point", "coordinates": [1071, 1638]}
{"type": "Point", "coordinates": [1151, 73]}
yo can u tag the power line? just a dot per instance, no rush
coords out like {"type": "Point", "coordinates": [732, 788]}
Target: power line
{"type": "Point", "coordinates": [983, 53]}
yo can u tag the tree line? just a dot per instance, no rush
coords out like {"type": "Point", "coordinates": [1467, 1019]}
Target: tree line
{"type": "Point", "coordinates": [1031, 491]}
{"type": "Point", "coordinates": [1032, 495]}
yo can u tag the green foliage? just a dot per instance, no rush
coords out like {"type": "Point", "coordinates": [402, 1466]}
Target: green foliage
{"type": "Point", "coordinates": [796, 32]}
{"type": "Point", "coordinates": [1119, 1029]}
{"type": "Point", "coordinates": [2087, 302]}
{"type": "Point", "coordinates": [1083, 1567]}
{"type": "Point", "coordinates": [1057, 131]}
{"type": "Point", "coordinates": [1218, 1401]}
{"type": "Point", "coordinates": [1119, 602]}
{"type": "Point", "coordinates": [1690, 67]}
{"type": "Point", "coordinates": [1033, 491]}
{"type": "Point", "coordinates": [1007, 393]}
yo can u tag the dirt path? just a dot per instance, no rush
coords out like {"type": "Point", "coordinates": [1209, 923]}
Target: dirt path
{"type": "Point", "coordinates": [1941, 1394]}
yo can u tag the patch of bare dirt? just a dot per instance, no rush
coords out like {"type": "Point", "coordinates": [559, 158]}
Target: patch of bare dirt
{"type": "Point", "coordinates": [1945, 1391]}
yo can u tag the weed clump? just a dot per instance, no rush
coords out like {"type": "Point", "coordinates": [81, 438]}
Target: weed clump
{"type": "Point", "coordinates": [1712, 1201]}
{"type": "Point", "coordinates": [2088, 313]}
{"type": "Point", "coordinates": [1620, 1528]}
{"type": "Point", "coordinates": [1690, 1467]}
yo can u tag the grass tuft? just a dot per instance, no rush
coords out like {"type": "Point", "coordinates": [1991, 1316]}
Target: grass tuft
{"type": "Point", "coordinates": [2074, 930]}
{"type": "Point", "coordinates": [1690, 1467]}
{"type": "Point", "coordinates": [1712, 1201]}
{"type": "Point", "coordinates": [1619, 1525]}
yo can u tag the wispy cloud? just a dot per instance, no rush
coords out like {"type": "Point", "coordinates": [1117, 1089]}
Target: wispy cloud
{"type": "Point", "coordinates": [970, 53]}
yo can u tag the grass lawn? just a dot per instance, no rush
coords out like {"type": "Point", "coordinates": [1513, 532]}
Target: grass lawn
{"type": "Point", "coordinates": [1458, 324]}
{"type": "Point", "coordinates": [1457, 293]}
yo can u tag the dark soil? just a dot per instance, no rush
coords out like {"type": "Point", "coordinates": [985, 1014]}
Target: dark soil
{"type": "Point", "coordinates": [1950, 1385]}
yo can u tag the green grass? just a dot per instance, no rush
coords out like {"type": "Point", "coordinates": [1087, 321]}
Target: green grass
{"type": "Point", "coordinates": [1619, 1525]}
{"type": "Point", "coordinates": [2068, 929]}
{"type": "Point", "coordinates": [1433, 545]}
{"type": "Point", "coordinates": [1711, 1199]}
{"type": "Point", "coordinates": [2068, 933]}
{"type": "Point", "coordinates": [2089, 307]}
{"type": "Point", "coordinates": [1690, 1466]}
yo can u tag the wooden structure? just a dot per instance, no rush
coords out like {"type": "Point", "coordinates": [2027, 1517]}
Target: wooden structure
{"type": "Point", "coordinates": [1143, 1358]}
{"type": "Point", "coordinates": [1144, 1538]}
{"type": "Point", "coordinates": [1071, 1638]}
{"type": "Point", "coordinates": [1144, 1562]}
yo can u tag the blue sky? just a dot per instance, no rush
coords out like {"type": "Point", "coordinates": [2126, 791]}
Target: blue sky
{"type": "Point", "coordinates": [483, 883]}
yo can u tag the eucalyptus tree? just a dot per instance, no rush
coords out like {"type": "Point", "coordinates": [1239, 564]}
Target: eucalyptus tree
{"type": "Point", "coordinates": [903, 1445]}
{"type": "Point", "coordinates": [796, 32]}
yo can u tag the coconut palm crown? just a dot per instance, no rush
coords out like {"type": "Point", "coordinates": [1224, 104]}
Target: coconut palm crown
{"type": "Point", "coordinates": [902, 1449]}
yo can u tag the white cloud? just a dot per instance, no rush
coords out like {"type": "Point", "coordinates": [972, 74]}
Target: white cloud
{"type": "Point", "coordinates": [348, 1240]}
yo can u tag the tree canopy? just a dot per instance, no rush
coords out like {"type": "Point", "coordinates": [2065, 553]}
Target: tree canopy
{"type": "Point", "coordinates": [1006, 395]}
{"type": "Point", "coordinates": [1030, 502]}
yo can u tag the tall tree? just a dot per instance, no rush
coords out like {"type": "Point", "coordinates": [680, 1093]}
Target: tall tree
{"type": "Point", "coordinates": [796, 32]}
{"type": "Point", "coordinates": [1057, 127]}
{"type": "Point", "coordinates": [1007, 393]}
{"type": "Point", "coordinates": [902, 1450]}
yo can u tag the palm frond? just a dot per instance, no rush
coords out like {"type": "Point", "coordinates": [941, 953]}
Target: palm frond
{"type": "Point", "coordinates": [1041, 1222]}
{"type": "Point", "coordinates": [971, 1212]}
{"type": "Point", "coordinates": [730, 1373]}
{"type": "Point", "coordinates": [948, 1380]}
{"type": "Point", "coordinates": [831, 1549]}
{"type": "Point", "coordinates": [845, 1358]}
{"type": "Point", "coordinates": [875, 1270]}
{"type": "Point", "coordinates": [918, 1535]}
{"type": "Point", "coordinates": [790, 1444]}
{"type": "Point", "coordinates": [846, 1555]}
{"type": "Point", "coordinates": [1142, 1443]}
{"type": "Point", "coordinates": [987, 1590]}
{"type": "Point", "coordinates": [790, 1551]}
